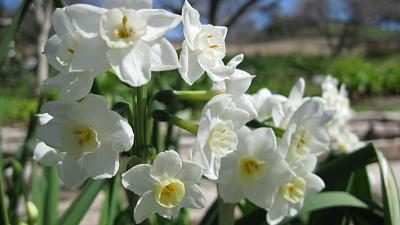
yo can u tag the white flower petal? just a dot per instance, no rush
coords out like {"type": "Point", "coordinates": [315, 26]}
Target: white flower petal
{"type": "Point", "coordinates": [215, 68]}
{"type": "Point", "coordinates": [51, 51]}
{"type": "Point", "coordinates": [235, 61]}
{"type": "Point", "coordinates": [145, 206]}
{"type": "Point", "coordinates": [191, 23]}
{"type": "Point", "coordinates": [103, 163]}
{"type": "Point", "coordinates": [261, 193]}
{"type": "Point", "coordinates": [49, 133]}
{"type": "Point", "coordinates": [90, 55]}
{"type": "Point", "coordinates": [278, 211]}
{"type": "Point", "coordinates": [71, 172]}
{"type": "Point", "coordinates": [72, 86]}
{"type": "Point", "coordinates": [122, 136]}
{"type": "Point", "coordinates": [44, 118]}
{"type": "Point", "coordinates": [45, 155]}
{"type": "Point", "coordinates": [163, 56]}
{"type": "Point", "coordinates": [261, 139]}
{"type": "Point", "coordinates": [296, 94]}
{"type": "Point", "coordinates": [314, 183]}
{"type": "Point", "coordinates": [129, 4]}
{"type": "Point", "coordinates": [190, 68]}
{"type": "Point", "coordinates": [194, 197]}
{"type": "Point", "coordinates": [159, 22]}
{"type": "Point", "coordinates": [166, 164]}
{"type": "Point", "coordinates": [238, 82]}
{"type": "Point", "coordinates": [190, 173]}
{"type": "Point", "coordinates": [62, 23]}
{"type": "Point", "coordinates": [133, 65]}
{"type": "Point", "coordinates": [85, 18]}
{"type": "Point", "coordinates": [307, 109]}
{"type": "Point", "coordinates": [137, 179]}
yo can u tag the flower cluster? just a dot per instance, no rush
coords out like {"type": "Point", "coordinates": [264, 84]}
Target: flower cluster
{"type": "Point", "coordinates": [84, 138]}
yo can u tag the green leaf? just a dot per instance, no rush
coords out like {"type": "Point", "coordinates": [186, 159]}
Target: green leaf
{"type": "Point", "coordinates": [12, 30]}
{"type": "Point", "coordinates": [3, 209]}
{"type": "Point", "coordinates": [51, 198]}
{"type": "Point", "coordinates": [111, 202]}
{"type": "Point", "coordinates": [331, 199]}
{"type": "Point", "coordinates": [390, 192]}
{"type": "Point", "coordinates": [81, 204]}
{"type": "Point", "coordinates": [211, 216]}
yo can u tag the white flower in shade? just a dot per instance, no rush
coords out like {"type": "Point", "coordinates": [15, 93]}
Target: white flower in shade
{"type": "Point", "coordinates": [347, 141]}
{"type": "Point", "coordinates": [60, 48]}
{"type": "Point", "coordinates": [165, 187]}
{"type": "Point", "coordinates": [289, 197]}
{"type": "Point", "coordinates": [87, 144]}
{"type": "Point", "coordinates": [255, 170]}
{"type": "Point", "coordinates": [128, 38]}
{"type": "Point", "coordinates": [306, 133]}
{"type": "Point", "coordinates": [238, 82]}
{"type": "Point", "coordinates": [282, 113]}
{"type": "Point", "coordinates": [216, 137]}
{"type": "Point", "coordinates": [265, 101]}
{"type": "Point", "coordinates": [72, 86]}
{"type": "Point", "coordinates": [203, 48]}
{"type": "Point", "coordinates": [336, 99]}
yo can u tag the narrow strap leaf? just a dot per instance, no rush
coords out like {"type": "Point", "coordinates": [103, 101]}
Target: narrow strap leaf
{"type": "Point", "coordinates": [81, 204]}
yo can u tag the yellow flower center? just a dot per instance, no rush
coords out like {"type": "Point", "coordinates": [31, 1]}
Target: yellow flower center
{"type": "Point", "coordinates": [250, 169]}
{"type": "Point", "coordinates": [213, 46]}
{"type": "Point", "coordinates": [299, 144]}
{"type": "Point", "coordinates": [84, 135]}
{"type": "Point", "coordinates": [222, 138]}
{"type": "Point", "coordinates": [294, 190]}
{"type": "Point", "coordinates": [124, 30]}
{"type": "Point", "coordinates": [170, 192]}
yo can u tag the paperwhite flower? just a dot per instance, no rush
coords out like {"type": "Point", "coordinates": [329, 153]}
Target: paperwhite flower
{"type": "Point", "coordinates": [306, 133]}
{"type": "Point", "coordinates": [282, 113]}
{"type": "Point", "coordinates": [289, 197]}
{"type": "Point", "coordinates": [347, 141]}
{"type": "Point", "coordinates": [165, 187]}
{"type": "Point", "coordinates": [216, 136]}
{"type": "Point", "coordinates": [265, 101]}
{"type": "Point", "coordinates": [236, 83]}
{"type": "Point", "coordinates": [86, 138]}
{"type": "Point", "coordinates": [255, 170]}
{"type": "Point", "coordinates": [60, 48]}
{"type": "Point", "coordinates": [128, 38]}
{"type": "Point", "coordinates": [203, 48]}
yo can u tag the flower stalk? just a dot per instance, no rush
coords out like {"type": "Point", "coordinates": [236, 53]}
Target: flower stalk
{"type": "Point", "coordinates": [164, 116]}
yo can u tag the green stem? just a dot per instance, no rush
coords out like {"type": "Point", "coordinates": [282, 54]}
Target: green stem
{"type": "Point", "coordinates": [164, 116]}
{"type": "Point", "coordinates": [226, 212]}
{"type": "Point", "coordinates": [3, 210]}
{"type": "Point", "coordinates": [167, 96]}
{"type": "Point", "coordinates": [257, 124]}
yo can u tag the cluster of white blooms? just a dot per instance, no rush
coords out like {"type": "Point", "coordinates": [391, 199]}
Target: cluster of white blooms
{"type": "Point", "coordinates": [84, 138]}
{"type": "Point", "coordinates": [336, 99]}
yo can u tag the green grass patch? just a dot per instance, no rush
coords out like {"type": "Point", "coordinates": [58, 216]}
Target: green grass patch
{"type": "Point", "coordinates": [16, 108]}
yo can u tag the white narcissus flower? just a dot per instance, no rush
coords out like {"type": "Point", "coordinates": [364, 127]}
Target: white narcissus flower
{"type": "Point", "coordinates": [216, 137]}
{"type": "Point", "coordinates": [165, 187]}
{"type": "Point", "coordinates": [86, 144]}
{"type": "Point", "coordinates": [203, 48]}
{"type": "Point", "coordinates": [347, 141]}
{"type": "Point", "coordinates": [265, 101]}
{"type": "Point", "coordinates": [306, 133]}
{"type": "Point", "coordinates": [282, 113]}
{"type": "Point", "coordinates": [289, 197]}
{"type": "Point", "coordinates": [236, 83]}
{"type": "Point", "coordinates": [129, 39]}
{"type": "Point", "coordinates": [60, 48]}
{"type": "Point", "coordinates": [255, 170]}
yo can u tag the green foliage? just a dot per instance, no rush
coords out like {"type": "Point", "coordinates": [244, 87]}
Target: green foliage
{"type": "Point", "coordinates": [16, 108]}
